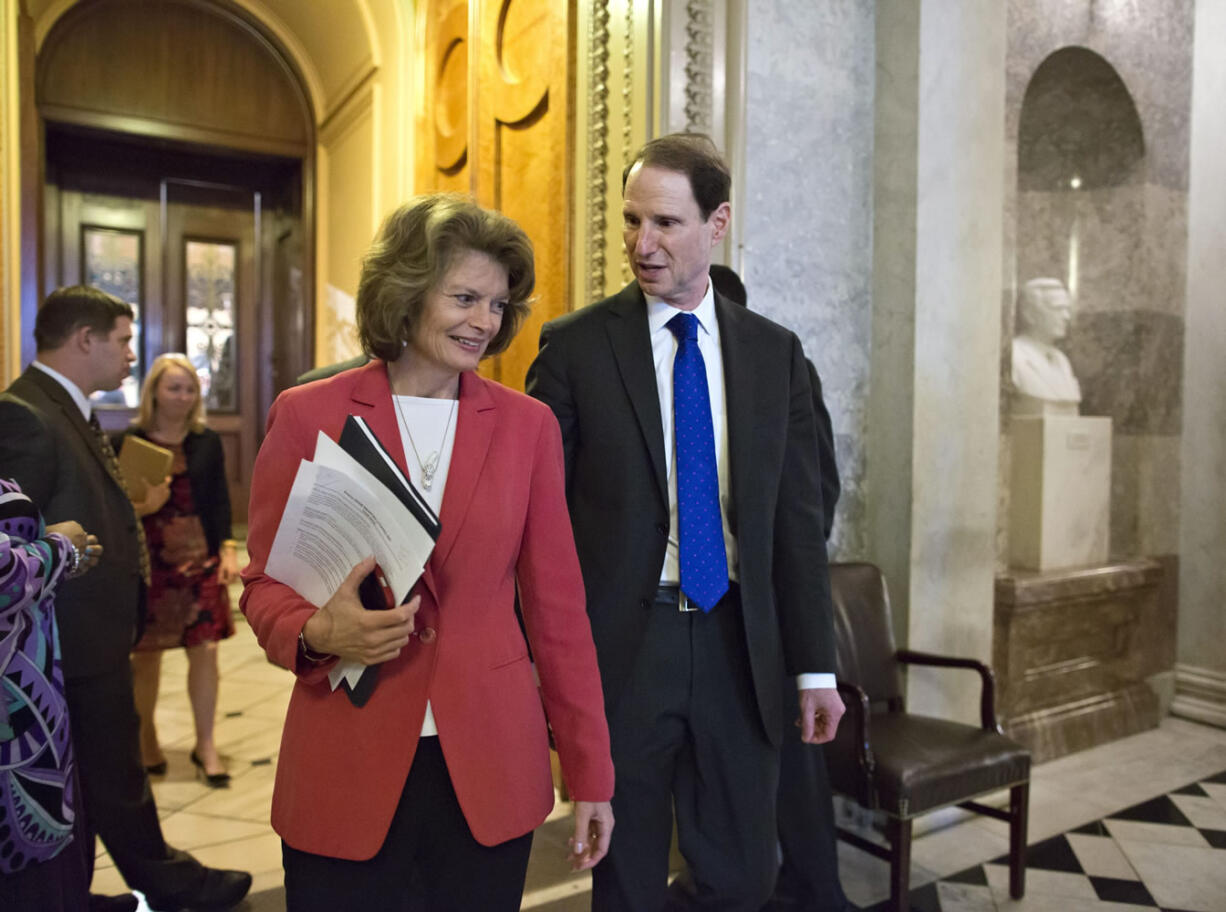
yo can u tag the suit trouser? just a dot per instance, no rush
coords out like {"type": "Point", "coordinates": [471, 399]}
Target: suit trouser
{"type": "Point", "coordinates": [810, 871]}
{"type": "Point", "coordinates": [119, 804]}
{"type": "Point", "coordinates": [687, 737]}
{"type": "Point", "coordinates": [429, 861]}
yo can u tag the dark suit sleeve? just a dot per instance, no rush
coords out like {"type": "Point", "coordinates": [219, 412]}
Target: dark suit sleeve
{"type": "Point", "coordinates": [547, 382]}
{"type": "Point", "coordinates": [825, 453]}
{"type": "Point", "coordinates": [27, 450]}
{"type": "Point", "coordinates": [801, 573]}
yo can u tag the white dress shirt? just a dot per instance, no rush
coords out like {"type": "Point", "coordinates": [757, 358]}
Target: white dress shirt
{"type": "Point", "coordinates": [663, 352]}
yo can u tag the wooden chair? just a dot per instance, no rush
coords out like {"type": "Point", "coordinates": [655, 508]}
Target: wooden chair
{"type": "Point", "coordinates": [887, 759]}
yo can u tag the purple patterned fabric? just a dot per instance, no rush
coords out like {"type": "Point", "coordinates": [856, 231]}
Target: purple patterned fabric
{"type": "Point", "coordinates": [36, 765]}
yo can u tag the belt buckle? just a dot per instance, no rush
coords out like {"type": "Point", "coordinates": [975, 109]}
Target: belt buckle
{"type": "Point", "coordinates": [683, 602]}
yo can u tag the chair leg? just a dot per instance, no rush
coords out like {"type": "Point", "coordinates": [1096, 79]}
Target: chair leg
{"type": "Point", "coordinates": [898, 832]}
{"type": "Point", "coordinates": [1019, 810]}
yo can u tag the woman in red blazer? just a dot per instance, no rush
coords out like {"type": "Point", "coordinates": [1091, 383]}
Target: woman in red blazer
{"type": "Point", "coordinates": [426, 796]}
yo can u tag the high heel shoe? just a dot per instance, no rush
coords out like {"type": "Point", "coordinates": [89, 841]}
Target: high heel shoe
{"type": "Point", "coordinates": [156, 769]}
{"type": "Point", "coordinates": [212, 780]}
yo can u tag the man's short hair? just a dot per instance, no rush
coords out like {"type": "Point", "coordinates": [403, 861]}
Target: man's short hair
{"type": "Point", "coordinates": [412, 254]}
{"type": "Point", "coordinates": [694, 155]}
{"type": "Point", "coordinates": [68, 309]}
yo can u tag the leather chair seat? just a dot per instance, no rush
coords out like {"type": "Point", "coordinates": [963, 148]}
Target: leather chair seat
{"type": "Point", "coordinates": [924, 763]}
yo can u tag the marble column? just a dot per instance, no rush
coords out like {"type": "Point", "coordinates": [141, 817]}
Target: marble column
{"type": "Point", "coordinates": [933, 406]}
{"type": "Point", "coordinates": [1200, 672]}
{"type": "Point", "coordinates": [805, 222]}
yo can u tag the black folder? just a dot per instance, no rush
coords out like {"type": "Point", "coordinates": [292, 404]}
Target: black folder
{"type": "Point", "coordinates": [360, 442]}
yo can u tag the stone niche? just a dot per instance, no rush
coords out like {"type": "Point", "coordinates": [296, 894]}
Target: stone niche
{"type": "Point", "coordinates": [1068, 658]}
{"type": "Point", "coordinates": [1070, 654]}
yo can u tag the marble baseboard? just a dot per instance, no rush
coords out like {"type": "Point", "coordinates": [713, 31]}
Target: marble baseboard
{"type": "Point", "coordinates": [1200, 694]}
{"type": "Point", "coordinates": [1076, 725]}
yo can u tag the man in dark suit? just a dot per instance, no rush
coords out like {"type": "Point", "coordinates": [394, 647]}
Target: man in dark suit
{"type": "Point", "coordinates": [52, 445]}
{"type": "Point", "coordinates": [809, 876]}
{"type": "Point", "coordinates": [702, 551]}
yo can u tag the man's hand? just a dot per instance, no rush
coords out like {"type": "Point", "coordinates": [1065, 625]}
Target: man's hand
{"type": "Point", "coordinates": [593, 829]}
{"type": "Point", "coordinates": [342, 627]}
{"type": "Point", "coordinates": [820, 711]}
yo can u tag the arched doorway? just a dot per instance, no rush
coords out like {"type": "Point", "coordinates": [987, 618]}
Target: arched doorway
{"type": "Point", "coordinates": [178, 152]}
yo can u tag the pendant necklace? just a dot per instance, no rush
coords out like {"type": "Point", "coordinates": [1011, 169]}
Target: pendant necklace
{"type": "Point", "coordinates": [430, 466]}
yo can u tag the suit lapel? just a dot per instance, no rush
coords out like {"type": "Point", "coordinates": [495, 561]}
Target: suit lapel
{"type": "Point", "coordinates": [630, 339]}
{"type": "Point", "coordinates": [740, 397]}
{"type": "Point", "coordinates": [475, 419]}
{"type": "Point", "coordinates": [52, 389]}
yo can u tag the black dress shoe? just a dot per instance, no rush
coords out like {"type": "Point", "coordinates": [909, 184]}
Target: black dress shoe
{"type": "Point", "coordinates": [219, 890]}
{"type": "Point", "coordinates": [125, 903]}
{"type": "Point", "coordinates": [156, 769]}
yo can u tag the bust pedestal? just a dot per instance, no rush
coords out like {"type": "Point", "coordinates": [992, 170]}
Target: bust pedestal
{"type": "Point", "coordinates": [1069, 668]}
{"type": "Point", "coordinates": [1059, 491]}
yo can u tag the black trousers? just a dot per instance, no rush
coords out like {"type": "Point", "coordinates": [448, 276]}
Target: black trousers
{"type": "Point", "coordinates": [429, 861]}
{"type": "Point", "coordinates": [810, 873]}
{"type": "Point", "coordinates": [118, 803]}
{"type": "Point", "coordinates": [687, 738]}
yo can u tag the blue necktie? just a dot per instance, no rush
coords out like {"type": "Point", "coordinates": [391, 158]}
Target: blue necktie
{"type": "Point", "coordinates": [704, 565]}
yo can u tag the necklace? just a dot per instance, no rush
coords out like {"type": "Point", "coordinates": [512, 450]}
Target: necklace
{"type": "Point", "coordinates": [430, 466]}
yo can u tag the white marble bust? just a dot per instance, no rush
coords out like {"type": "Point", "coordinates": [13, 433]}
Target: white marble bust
{"type": "Point", "coordinates": [1043, 379]}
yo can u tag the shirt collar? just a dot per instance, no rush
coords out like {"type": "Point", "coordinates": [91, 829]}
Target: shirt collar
{"type": "Point", "coordinates": [659, 312]}
{"type": "Point", "coordinates": [74, 391]}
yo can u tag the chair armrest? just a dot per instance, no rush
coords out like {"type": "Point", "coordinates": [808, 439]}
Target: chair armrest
{"type": "Point", "coordinates": [987, 697]}
{"type": "Point", "coordinates": [858, 709]}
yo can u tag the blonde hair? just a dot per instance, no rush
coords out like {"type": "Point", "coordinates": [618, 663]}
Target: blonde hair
{"type": "Point", "coordinates": [148, 394]}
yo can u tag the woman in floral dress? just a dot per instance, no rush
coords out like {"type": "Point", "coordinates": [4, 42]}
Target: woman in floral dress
{"type": "Point", "coordinates": [192, 558]}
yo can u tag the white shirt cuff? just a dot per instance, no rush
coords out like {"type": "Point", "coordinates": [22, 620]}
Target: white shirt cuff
{"type": "Point", "coordinates": [813, 681]}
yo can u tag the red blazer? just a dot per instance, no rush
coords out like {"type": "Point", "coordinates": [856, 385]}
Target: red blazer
{"type": "Point", "coordinates": [504, 519]}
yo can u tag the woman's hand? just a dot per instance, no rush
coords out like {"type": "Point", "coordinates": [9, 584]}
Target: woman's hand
{"type": "Point", "coordinates": [227, 569]}
{"type": "Point", "coordinates": [593, 829]}
{"type": "Point", "coordinates": [155, 498]}
{"type": "Point", "coordinates": [342, 627]}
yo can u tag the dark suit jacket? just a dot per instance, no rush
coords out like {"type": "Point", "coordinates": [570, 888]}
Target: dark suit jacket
{"type": "Point", "coordinates": [595, 370]}
{"type": "Point", "coordinates": [206, 470]}
{"type": "Point", "coordinates": [50, 450]}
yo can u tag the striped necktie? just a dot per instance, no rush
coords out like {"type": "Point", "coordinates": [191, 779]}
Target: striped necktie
{"type": "Point", "coordinates": [704, 563]}
{"type": "Point", "coordinates": [112, 464]}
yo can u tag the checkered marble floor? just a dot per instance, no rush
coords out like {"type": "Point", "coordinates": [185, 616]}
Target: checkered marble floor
{"type": "Point", "coordinates": [1165, 853]}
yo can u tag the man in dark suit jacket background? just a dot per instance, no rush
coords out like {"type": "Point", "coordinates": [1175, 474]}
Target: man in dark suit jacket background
{"type": "Point", "coordinates": [52, 446]}
{"type": "Point", "coordinates": [692, 696]}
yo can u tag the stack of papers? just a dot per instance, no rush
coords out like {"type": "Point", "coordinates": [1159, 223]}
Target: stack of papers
{"type": "Point", "coordinates": [349, 502]}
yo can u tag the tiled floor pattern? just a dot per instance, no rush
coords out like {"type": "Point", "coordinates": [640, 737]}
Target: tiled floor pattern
{"type": "Point", "coordinates": [1181, 865]}
{"type": "Point", "coordinates": [1165, 853]}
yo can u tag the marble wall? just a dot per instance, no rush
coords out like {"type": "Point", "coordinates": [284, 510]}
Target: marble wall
{"type": "Point", "coordinates": [806, 254]}
{"type": "Point", "coordinates": [932, 443]}
{"type": "Point", "coordinates": [1098, 111]}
